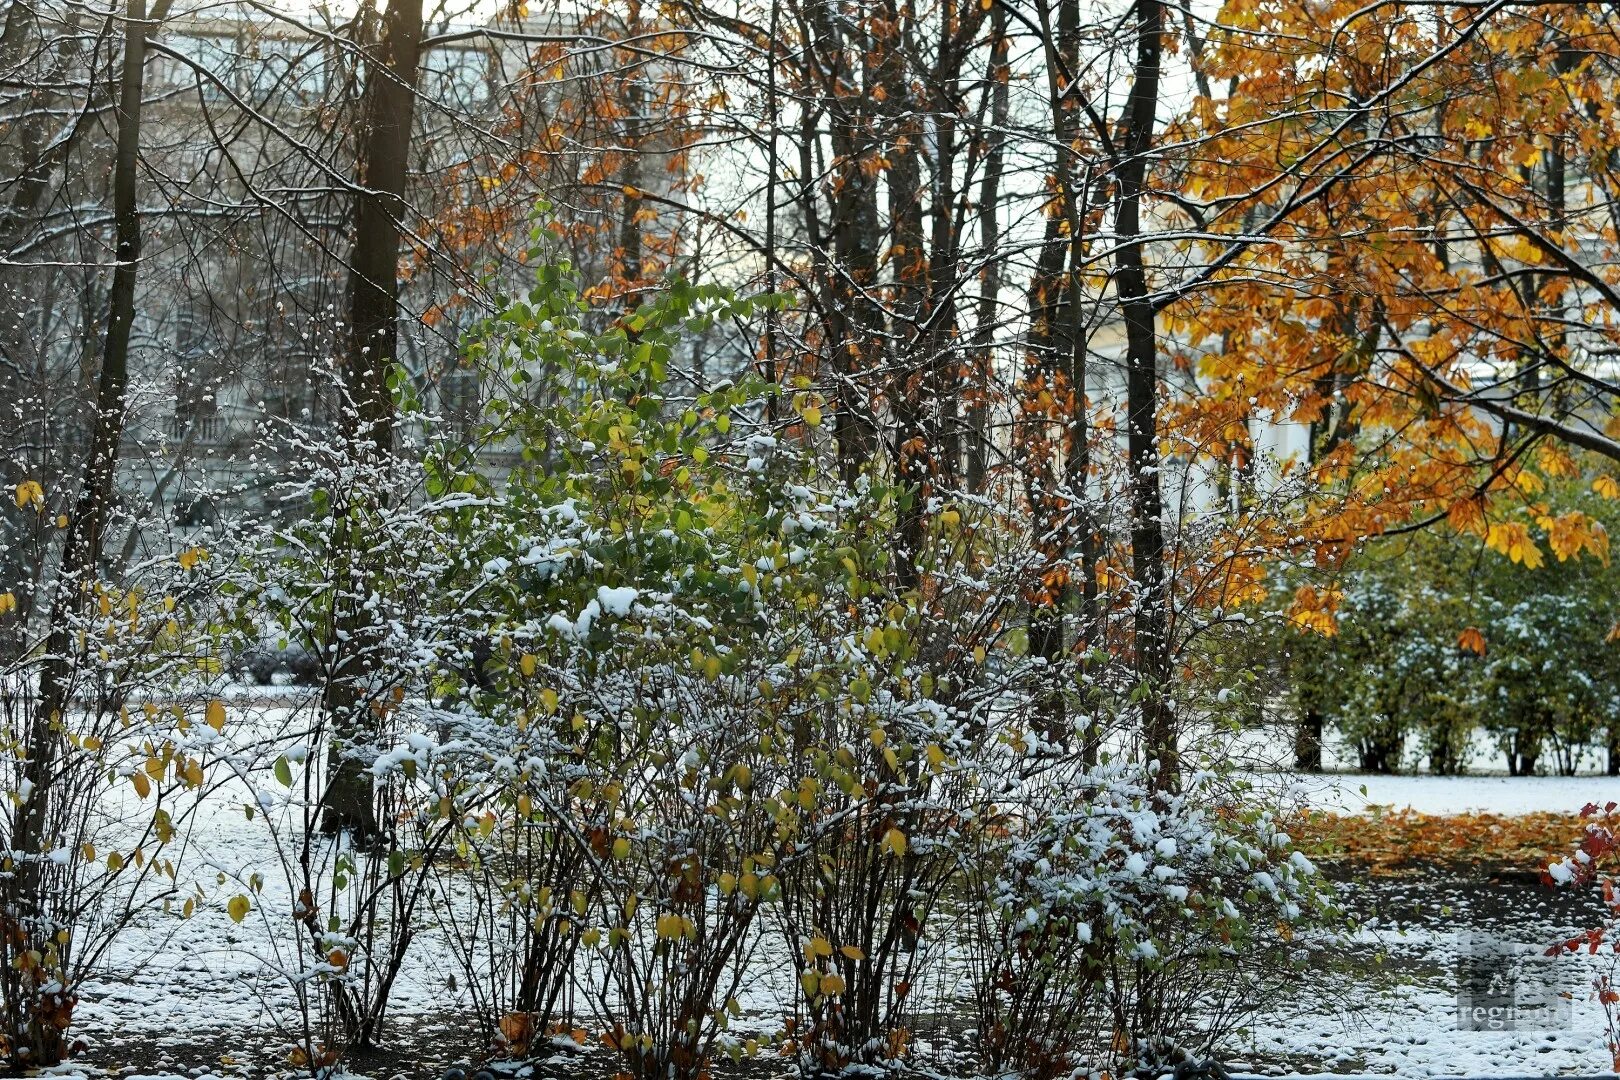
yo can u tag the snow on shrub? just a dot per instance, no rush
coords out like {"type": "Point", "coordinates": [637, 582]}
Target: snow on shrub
{"type": "Point", "coordinates": [1117, 917]}
{"type": "Point", "coordinates": [688, 686]}
{"type": "Point", "coordinates": [655, 714]}
{"type": "Point", "coordinates": [111, 741]}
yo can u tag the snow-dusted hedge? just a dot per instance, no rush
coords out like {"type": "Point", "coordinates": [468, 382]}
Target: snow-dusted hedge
{"type": "Point", "coordinates": [1113, 918]}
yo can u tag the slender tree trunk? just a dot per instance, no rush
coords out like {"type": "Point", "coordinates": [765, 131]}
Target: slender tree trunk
{"type": "Point", "coordinates": [978, 405]}
{"type": "Point", "coordinates": [1038, 449]}
{"type": "Point", "coordinates": [1046, 409]}
{"type": "Point", "coordinates": [854, 328]}
{"type": "Point", "coordinates": [36, 1040]}
{"type": "Point", "coordinates": [385, 142]}
{"type": "Point", "coordinates": [1152, 608]}
{"type": "Point", "coordinates": [773, 126]}
{"type": "Point", "coordinates": [907, 345]}
{"type": "Point", "coordinates": [631, 182]}
{"type": "Point", "coordinates": [854, 272]}
{"type": "Point", "coordinates": [1308, 741]}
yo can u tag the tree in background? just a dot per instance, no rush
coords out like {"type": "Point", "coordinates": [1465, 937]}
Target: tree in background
{"type": "Point", "coordinates": [1422, 640]}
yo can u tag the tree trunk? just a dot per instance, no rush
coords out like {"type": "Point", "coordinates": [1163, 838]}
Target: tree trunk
{"type": "Point", "coordinates": [373, 345]}
{"type": "Point", "coordinates": [1151, 619]}
{"type": "Point", "coordinates": [379, 219]}
{"type": "Point", "coordinates": [1308, 742]}
{"type": "Point", "coordinates": [35, 1040]}
{"type": "Point", "coordinates": [913, 451]}
{"type": "Point", "coordinates": [389, 109]}
{"type": "Point", "coordinates": [630, 180]}
{"type": "Point", "coordinates": [978, 397]}
{"type": "Point", "coordinates": [855, 326]}
{"type": "Point", "coordinates": [1380, 751]}
{"type": "Point", "coordinates": [1050, 404]}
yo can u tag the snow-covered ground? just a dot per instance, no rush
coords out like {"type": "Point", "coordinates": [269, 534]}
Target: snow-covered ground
{"type": "Point", "coordinates": [170, 981]}
{"type": "Point", "coordinates": [1354, 793]}
{"type": "Point", "coordinates": [1387, 1003]}
{"type": "Point", "coordinates": [1267, 752]}
{"type": "Point", "coordinates": [1401, 1017]}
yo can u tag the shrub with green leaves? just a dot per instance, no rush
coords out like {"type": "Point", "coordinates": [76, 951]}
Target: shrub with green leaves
{"type": "Point", "coordinates": [1436, 636]}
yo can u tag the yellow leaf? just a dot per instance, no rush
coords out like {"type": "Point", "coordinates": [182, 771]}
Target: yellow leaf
{"type": "Point", "coordinates": [832, 984]}
{"type": "Point", "coordinates": [621, 848]}
{"type": "Point", "coordinates": [894, 841]}
{"type": "Point", "coordinates": [812, 416]}
{"type": "Point", "coordinates": [527, 664]}
{"type": "Point", "coordinates": [238, 907]}
{"type": "Point", "coordinates": [29, 493]}
{"type": "Point", "coordinates": [1607, 487]}
{"type": "Point", "coordinates": [853, 952]}
{"type": "Point", "coordinates": [215, 715]}
{"type": "Point", "coordinates": [143, 786]}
